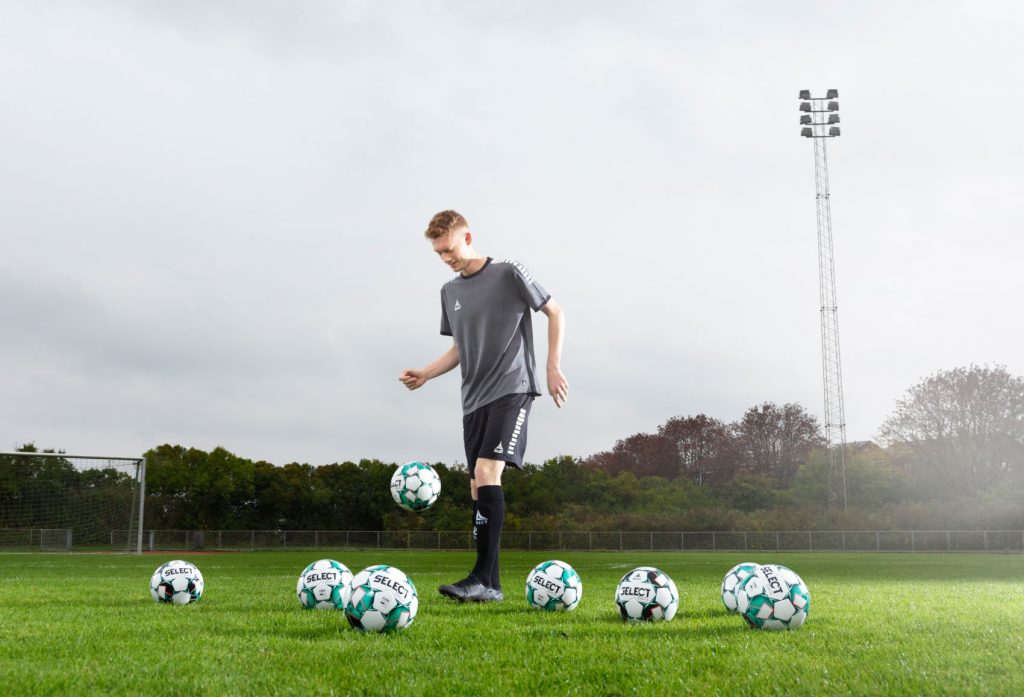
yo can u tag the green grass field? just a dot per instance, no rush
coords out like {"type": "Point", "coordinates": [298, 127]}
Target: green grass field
{"type": "Point", "coordinates": [879, 624]}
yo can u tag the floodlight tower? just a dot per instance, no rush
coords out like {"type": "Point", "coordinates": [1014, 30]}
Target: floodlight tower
{"type": "Point", "coordinates": [819, 117]}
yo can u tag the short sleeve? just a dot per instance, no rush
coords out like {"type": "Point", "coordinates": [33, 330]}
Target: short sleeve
{"type": "Point", "coordinates": [446, 327]}
{"type": "Point", "coordinates": [529, 289]}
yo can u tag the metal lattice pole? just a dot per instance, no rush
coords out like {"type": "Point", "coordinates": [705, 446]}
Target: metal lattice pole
{"type": "Point", "coordinates": [819, 129]}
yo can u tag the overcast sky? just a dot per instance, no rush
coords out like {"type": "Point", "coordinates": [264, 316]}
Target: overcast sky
{"type": "Point", "coordinates": [212, 213]}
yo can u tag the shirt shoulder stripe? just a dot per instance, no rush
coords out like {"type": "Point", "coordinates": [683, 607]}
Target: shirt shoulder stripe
{"type": "Point", "coordinates": [527, 276]}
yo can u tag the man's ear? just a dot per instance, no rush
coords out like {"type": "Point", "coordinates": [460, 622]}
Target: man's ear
{"type": "Point", "coordinates": [469, 237]}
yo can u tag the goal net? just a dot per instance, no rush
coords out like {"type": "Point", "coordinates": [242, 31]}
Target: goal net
{"type": "Point", "coordinates": [59, 502]}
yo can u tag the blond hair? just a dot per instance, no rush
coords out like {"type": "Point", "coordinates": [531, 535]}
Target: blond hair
{"type": "Point", "coordinates": [443, 223]}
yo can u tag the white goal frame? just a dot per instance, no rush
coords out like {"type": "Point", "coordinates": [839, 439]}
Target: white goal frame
{"type": "Point", "coordinates": [141, 460]}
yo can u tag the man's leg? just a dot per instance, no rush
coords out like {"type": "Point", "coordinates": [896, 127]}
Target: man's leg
{"type": "Point", "coordinates": [511, 417]}
{"type": "Point", "coordinates": [501, 427]}
{"type": "Point", "coordinates": [489, 520]}
{"type": "Point", "coordinates": [471, 587]}
{"type": "Point", "coordinates": [506, 434]}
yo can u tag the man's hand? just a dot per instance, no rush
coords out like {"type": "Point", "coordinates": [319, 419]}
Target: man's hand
{"type": "Point", "coordinates": [558, 386]}
{"type": "Point", "coordinates": [413, 378]}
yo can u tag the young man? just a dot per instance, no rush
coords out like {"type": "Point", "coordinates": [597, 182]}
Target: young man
{"type": "Point", "coordinates": [486, 309]}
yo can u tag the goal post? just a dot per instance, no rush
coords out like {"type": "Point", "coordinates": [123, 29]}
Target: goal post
{"type": "Point", "coordinates": [61, 502]}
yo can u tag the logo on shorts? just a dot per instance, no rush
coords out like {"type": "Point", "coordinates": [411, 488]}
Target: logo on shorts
{"type": "Point", "coordinates": [480, 520]}
{"type": "Point", "coordinates": [458, 306]}
{"type": "Point", "coordinates": [499, 449]}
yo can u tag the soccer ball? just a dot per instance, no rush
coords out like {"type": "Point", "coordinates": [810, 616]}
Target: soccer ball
{"type": "Point", "coordinates": [731, 581]}
{"type": "Point", "coordinates": [553, 585]}
{"type": "Point", "coordinates": [176, 582]}
{"type": "Point", "coordinates": [323, 585]}
{"type": "Point", "coordinates": [648, 594]}
{"type": "Point", "coordinates": [382, 599]}
{"type": "Point", "coordinates": [773, 597]}
{"type": "Point", "coordinates": [415, 486]}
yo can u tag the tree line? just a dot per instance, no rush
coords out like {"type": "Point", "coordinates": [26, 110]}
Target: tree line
{"type": "Point", "coordinates": [950, 455]}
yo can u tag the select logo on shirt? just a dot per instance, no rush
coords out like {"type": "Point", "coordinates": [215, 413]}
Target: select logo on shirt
{"type": "Point", "coordinates": [458, 306]}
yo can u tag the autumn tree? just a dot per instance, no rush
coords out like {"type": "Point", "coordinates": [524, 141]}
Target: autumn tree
{"type": "Point", "coordinates": [774, 441]}
{"type": "Point", "coordinates": [611, 461]}
{"type": "Point", "coordinates": [703, 447]}
{"type": "Point", "coordinates": [961, 429]}
{"type": "Point", "coordinates": [643, 454]}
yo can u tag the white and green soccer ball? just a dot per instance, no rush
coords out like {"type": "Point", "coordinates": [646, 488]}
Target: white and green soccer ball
{"type": "Point", "coordinates": [553, 585]}
{"type": "Point", "coordinates": [323, 585]}
{"type": "Point", "coordinates": [415, 486]}
{"type": "Point", "coordinates": [732, 580]}
{"type": "Point", "coordinates": [773, 597]}
{"type": "Point", "coordinates": [647, 594]}
{"type": "Point", "coordinates": [177, 582]}
{"type": "Point", "coordinates": [383, 599]}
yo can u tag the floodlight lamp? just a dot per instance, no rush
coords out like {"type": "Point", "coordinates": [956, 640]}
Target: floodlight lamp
{"type": "Point", "coordinates": [805, 94]}
{"type": "Point", "coordinates": [833, 106]}
{"type": "Point", "coordinates": [833, 131]}
{"type": "Point", "coordinates": [805, 132]}
{"type": "Point", "coordinates": [805, 106]}
{"type": "Point", "coordinates": [833, 118]}
{"type": "Point", "coordinates": [832, 94]}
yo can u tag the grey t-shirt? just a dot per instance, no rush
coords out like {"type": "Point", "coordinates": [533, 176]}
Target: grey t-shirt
{"type": "Point", "coordinates": [488, 315]}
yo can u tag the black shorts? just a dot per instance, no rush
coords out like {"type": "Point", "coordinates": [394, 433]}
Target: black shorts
{"type": "Point", "coordinates": [497, 431]}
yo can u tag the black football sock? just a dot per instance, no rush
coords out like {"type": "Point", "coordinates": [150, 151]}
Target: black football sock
{"type": "Point", "coordinates": [481, 572]}
{"type": "Point", "coordinates": [473, 520]}
{"type": "Point", "coordinates": [490, 517]}
{"type": "Point", "coordinates": [495, 575]}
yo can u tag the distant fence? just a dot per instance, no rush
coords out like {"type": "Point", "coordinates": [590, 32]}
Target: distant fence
{"type": "Point", "coordinates": [43, 539]}
{"type": "Point", "coordinates": [750, 541]}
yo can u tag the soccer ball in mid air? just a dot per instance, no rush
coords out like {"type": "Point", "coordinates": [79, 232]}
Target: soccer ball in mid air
{"type": "Point", "coordinates": [553, 585]}
{"type": "Point", "coordinates": [177, 582]}
{"type": "Point", "coordinates": [383, 599]}
{"type": "Point", "coordinates": [647, 594]}
{"type": "Point", "coordinates": [415, 486]}
{"type": "Point", "coordinates": [773, 597]}
{"type": "Point", "coordinates": [732, 580]}
{"type": "Point", "coordinates": [323, 585]}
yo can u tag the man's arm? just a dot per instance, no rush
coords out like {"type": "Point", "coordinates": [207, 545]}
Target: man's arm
{"type": "Point", "coordinates": [412, 378]}
{"type": "Point", "coordinates": [558, 386]}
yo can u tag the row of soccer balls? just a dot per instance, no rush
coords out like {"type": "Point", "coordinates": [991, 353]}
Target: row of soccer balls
{"type": "Point", "coordinates": [382, 598]}
{"type": "Point", "coordinates": [766, 596]}
{"type": "Point", "coordinates": [378, 598]}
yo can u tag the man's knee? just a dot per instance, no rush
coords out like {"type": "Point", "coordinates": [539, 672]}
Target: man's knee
{"type": "Point", "coordinates": [488, 472]}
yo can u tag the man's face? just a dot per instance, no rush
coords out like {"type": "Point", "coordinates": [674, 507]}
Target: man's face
{"type": "Point", "coordinates": [453, 249]}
